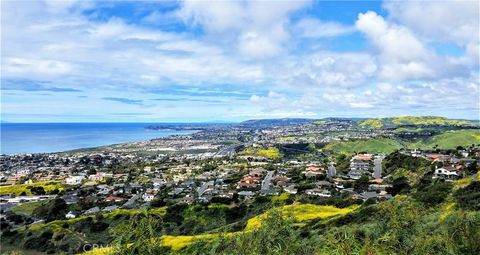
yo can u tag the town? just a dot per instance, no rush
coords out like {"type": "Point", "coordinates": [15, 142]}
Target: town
{"type": "Point", "coordinates": [236, 165]}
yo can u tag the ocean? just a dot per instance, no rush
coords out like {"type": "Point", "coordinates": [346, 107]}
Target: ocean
{"type": "Point", "coordinates": [18, 138]}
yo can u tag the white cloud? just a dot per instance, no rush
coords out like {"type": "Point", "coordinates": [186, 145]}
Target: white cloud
{"type": "Point", "coordinates": [258, 28]}
{"type": "Point", "coordinates": [326, 69]}
{"type": "Point", "coordinates": [401, 54]}
{"type": "Point", "coordinates": [453, 21]}
{"type": "Point", "coordinates": [249, 44]}
{"type": "Point", "coordinates": [315, 28]}
{"type": "Point", "coordinates": [23, 67]}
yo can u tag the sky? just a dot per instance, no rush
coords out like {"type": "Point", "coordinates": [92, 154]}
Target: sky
{"type": "Point", "coordinates": [193, 61]}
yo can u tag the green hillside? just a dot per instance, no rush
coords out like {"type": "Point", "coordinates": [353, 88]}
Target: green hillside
{"type": "Point", "coordinates": [450, 140]}
{"type": "Point", "coordinates": [412, 120]}
{"type": "Point", "coordinates": [376, 145]}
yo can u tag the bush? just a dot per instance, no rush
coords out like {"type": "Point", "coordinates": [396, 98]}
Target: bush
{"type": "Point", "coordinates": [434, 194]}
{"type": "Point", "coordinates": [52, 210]}
{"type": "Point", "coordinates": [469, 197]}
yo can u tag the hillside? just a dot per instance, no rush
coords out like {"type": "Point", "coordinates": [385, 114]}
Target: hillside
{"type": "Point", "coordinates": [412, 120]}
{"type": "Point", "coordinates": [449, 140]}
{"type": "Point", "coordinates": [376, 145]}
{"type": "Point", "coordinates": [440, 218]}
{"type": "Point", "coordinates": [274, 122]}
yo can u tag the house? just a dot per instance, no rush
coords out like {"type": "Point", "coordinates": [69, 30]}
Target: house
{"type": "Point", "coordinates": [114, 199]}
{"type": "Point", "coordinates": [109, 208]}
{"type": "Point", "coordinates": [290, 189]}
{"type": "Point", "coordinates": [92, 210]}
{"type": "Point", "coordinates": [447, 172]}
{"type": "Point", "coordinates": [71, 215]}
{"type": "Point", "coordinates": [74, 180]}
{"type": "Point", "coordinates": [318, 192]}
{"type": "Point", "coordinates": [246, 194]}
{"type": "Point", "coordinates": [148, 196]}
{"type": "Point", "coordinates": [360, 164]}
{"type": "Point", "coordinates": [321, 184]}
{"type": "Point", "coordinates": [188, 199]}
{"type": "Point", "coordinates": [249, 182]}
{"type": "Point", "coordinates": [256, 173]}
{"type": "Point", "coordinates": [437, 157]}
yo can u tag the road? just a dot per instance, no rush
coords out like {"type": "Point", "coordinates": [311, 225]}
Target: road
{"type": "Point", "coordinates": [377, 167]}
{"type": "Point", "coordinates": [267, 181]}
{"type": "Point", "coordinates": [229, 150]}
{"type": "Point", "coordinates": [204, 187]}
{"type": "Point", "coordinates": [332, 171]}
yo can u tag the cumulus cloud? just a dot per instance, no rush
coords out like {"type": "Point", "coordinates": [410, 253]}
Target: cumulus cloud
{"type": "Point", "coordinates": [454, 22]}
{"type": "Point", "coordinates": [326, 69]}
{"type": "Point", "coordinates": [258, 28]}
{"type": "Point", "coordinates": [401, 54]}
{"type": "Point", "coordinates": [271, 53]}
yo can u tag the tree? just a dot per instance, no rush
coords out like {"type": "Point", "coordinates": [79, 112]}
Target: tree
{"type": "Point", "coordinates": [38, 191]}
{"type": "Point", "coordinates": [52, 210]}
{"type": "Point", "coordinates": [361, 184]}
{"type": "Point", "coordinates": [399, 185]}
{"type": "Point", "coordinates": [472, 168]}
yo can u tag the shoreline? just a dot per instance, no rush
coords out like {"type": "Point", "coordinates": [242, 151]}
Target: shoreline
{"type": "Point", "coordinates": [79, 139]}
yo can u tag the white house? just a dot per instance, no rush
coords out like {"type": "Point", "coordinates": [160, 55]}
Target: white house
{"type": "Point", "coordinates": [70, 215]}
{"type": "Point", "coordinates": [148, 196]}
{"type": "Point", "coordinates": [447, 173]}
{"type": "Point", "coordinates": [318, 192]}
{"type": "Point", "coordinates": [74, 180]}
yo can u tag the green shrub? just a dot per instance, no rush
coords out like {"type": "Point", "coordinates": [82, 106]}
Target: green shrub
{"type": "Point", "coordinates": [469, 197]}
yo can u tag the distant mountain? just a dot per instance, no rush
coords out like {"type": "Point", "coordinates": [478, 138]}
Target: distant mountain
{"type": "Point", "coordinates": [413, 120]}
{"type": "Point", "coordinates": [275, 122]}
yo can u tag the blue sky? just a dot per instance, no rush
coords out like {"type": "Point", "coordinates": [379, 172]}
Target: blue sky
{"type": "Point", "coordinates": [189, 61]}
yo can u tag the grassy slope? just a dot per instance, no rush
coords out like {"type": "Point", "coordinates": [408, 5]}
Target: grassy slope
{"type": "Point", "coordinates": [376, 145]}
{"type": "Point", "coordinates": [28, 208]}
{"type": "Point", "coordinates": [411, 120]}
{"type": "Point", "coordinates": [301, 212]}
{"type": "Point", "coordinates": [446, 140]}
{"type": "Point", "coordinates": [450, 139]}
{"type": "Point", "coordinates": [18, 189]}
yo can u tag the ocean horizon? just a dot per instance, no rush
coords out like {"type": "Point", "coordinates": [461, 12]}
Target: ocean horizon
{"type": "Point", "coordinates": [22, 138]}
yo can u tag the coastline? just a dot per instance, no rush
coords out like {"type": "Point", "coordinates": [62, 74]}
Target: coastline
{"type": "Point", "coordinates": [45, 138]}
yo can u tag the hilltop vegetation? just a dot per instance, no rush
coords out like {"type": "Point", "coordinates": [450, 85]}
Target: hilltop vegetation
{"type": "Point", "coordinates": [271, 152]}
{"type": "Point", "coordinates": [375, 145]}
{"type": "Point", "coordinates": [412, 120]}
{"type": "Point", "coordinates": [446, 140]}
{"type": "Point", "coordinates": [450, 140]}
